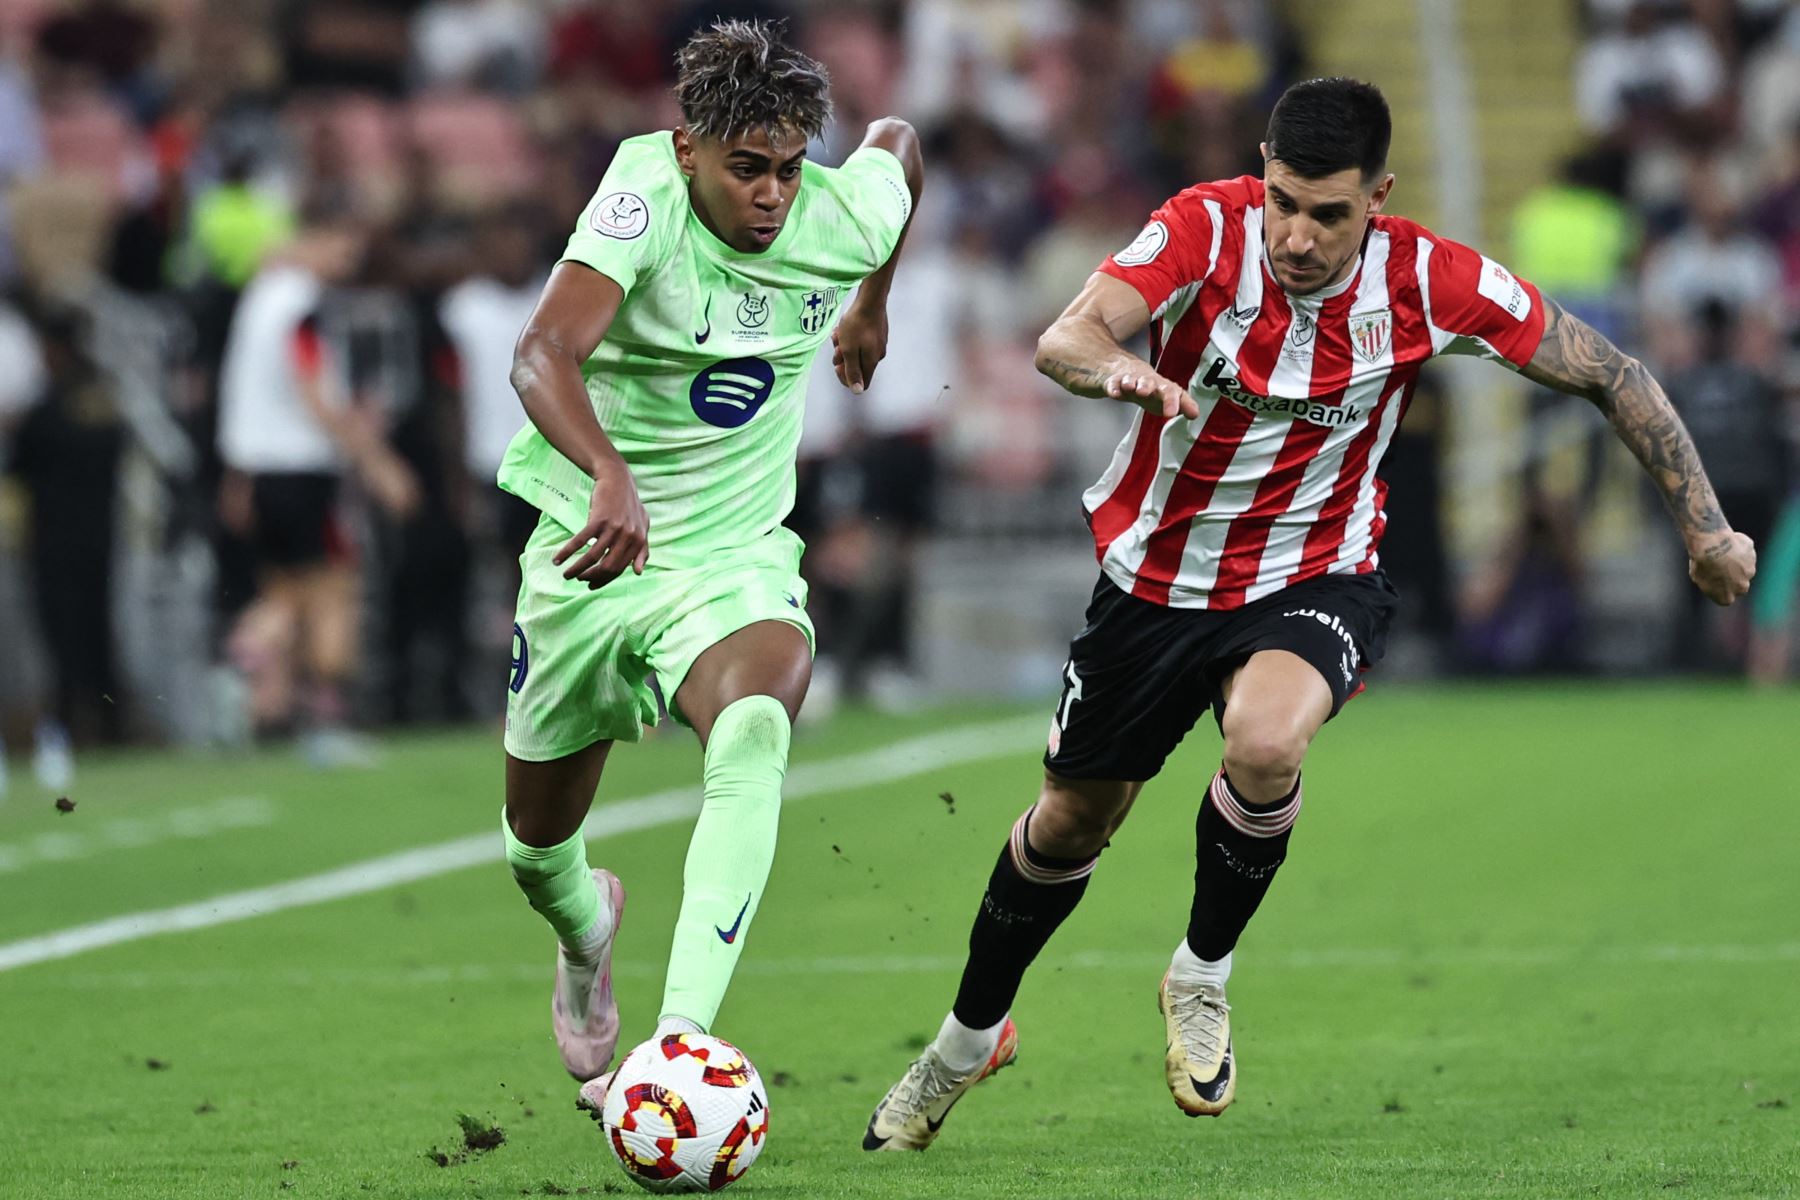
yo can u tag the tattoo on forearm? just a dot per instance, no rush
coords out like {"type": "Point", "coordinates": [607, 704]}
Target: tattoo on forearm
{"type": "Point", "coordinates": [1574, 358]}
{"type": "Point", "coordinates": [1071, 376]}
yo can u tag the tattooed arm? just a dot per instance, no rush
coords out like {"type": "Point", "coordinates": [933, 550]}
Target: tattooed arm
{"type": "Point", "coordinates": [1573, 358]}
{"type": "Point", "coordinates": [1083, 351]}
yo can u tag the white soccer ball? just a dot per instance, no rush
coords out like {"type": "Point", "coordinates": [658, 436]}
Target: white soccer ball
{"type": "Point", "coordinates": [686, 1113]}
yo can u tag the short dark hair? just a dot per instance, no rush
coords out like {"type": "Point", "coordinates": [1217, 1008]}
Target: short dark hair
{"type": "Point", "coordinates": [1321, 126]}
{"type": "Point", "coordinates": [741, 75]}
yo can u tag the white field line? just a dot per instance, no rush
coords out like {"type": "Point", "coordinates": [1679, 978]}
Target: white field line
{"type": "Point", "coordinates": [899, 760]}
{"type": "Point", "coordinates": [1389, 959]}
{"type": "Point", "coordinates": [131, 833]}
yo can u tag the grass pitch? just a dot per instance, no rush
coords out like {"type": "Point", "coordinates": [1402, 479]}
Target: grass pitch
{"type": "Point", "coordinates": [1529, 942]}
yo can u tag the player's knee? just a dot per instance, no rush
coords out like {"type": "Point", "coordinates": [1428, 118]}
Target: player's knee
{"type": "Point", "coordinates": [1071, 823]}
{"type": "Point", "coordinates": [747, 751]}
{"type": "Point", "coordinates": [1263, 762]}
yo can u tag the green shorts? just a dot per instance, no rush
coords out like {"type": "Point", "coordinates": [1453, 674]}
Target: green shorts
{"type": "Point", "coordinates": [582, 659]}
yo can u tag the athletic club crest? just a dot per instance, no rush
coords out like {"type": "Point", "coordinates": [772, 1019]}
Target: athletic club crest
{"type": "Point", "coordinates": [1369, 333]}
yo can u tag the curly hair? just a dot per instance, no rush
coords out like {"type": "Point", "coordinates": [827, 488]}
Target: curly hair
{"type": "Point", "coordinates": [740, 75]}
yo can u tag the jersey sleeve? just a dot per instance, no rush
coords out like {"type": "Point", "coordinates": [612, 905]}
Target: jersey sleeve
{"type": "Point", "coordinates": [871, 188]}
{"type": "Point", "coordinates": [1177, 248]}
{"type": "Point", "coordinates": [624, 231]}
{"type": "Point", "coordinates": [1473, 305]}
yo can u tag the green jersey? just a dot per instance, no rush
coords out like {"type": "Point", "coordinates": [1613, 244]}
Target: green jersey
{"type": "Point", "coordinates": [700, 380]}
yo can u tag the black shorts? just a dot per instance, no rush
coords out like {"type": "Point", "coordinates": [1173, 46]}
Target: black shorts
{"type": "Point", "coordinates": [1141, 674]}
{"type": "Point", "coordinates": [296, 520]}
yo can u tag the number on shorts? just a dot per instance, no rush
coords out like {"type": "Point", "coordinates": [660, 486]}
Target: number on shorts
{"type": "Point", "coordinates": [1071, 693]}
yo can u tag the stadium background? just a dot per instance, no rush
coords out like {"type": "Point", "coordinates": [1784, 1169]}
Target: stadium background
{"type": "Point", "coordinates": [1538, 942]}
{"type": "Point", "coordinates": [1634, 159]}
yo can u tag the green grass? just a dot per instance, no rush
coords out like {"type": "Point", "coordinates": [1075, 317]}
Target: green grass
{"type": "Point", "coordinates": [1528, 943]}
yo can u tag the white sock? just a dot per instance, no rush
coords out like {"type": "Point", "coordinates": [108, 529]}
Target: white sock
{"type": "Point", "coordinates": [672, 1026]}
{"type": "Point", "coordinates": [964, 1049]}
{"type": "Point", "coordinates": [1188, 967]}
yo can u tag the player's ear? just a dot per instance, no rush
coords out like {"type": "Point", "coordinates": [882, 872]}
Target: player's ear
{"type": "Point", "coordinates": [684, 150]}
{"type": "Point", "coordinates": [1379, 196]}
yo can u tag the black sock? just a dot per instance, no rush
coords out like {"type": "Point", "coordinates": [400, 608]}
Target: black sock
{"type": "Point", "coordinates": [1028, 896]}
{"type": "Point", "coordinates": [1237, 848]}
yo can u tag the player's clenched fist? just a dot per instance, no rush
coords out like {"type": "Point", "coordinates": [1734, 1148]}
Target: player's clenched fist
{"type": "Point", "coordinates": [1158, 396]}
{"type": "Point", "coordinates": [617, 533]}
{"type": "Point", "coordinates": [1723, 566]}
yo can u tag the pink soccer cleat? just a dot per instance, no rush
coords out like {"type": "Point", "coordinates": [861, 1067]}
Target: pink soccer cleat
{"type": "Point", "coordinates": [582, 1009]}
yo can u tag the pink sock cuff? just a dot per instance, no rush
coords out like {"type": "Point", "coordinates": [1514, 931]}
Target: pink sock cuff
{"type": "Point", "coordinates": [1265, 823]}
{"type": "Point", "coordinates": [1033, 872]}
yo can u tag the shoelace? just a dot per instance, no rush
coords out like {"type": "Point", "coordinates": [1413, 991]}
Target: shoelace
{"type": "Point", "coordinates": [926, 1080]}
{"type": "Point", "coordinates": [1201, 1019]}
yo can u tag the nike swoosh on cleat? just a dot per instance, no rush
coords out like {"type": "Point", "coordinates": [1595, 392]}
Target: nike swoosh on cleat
{"type": "Point", "coordinates": [728, 936]}
{"type": "Point", "coordinates": [871, 1139]}
{"type": "Point", "coordinates": [1211, 1089]}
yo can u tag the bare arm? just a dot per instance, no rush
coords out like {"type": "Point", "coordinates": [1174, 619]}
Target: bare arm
{"type": "Point", "coordinates": [1576, 359]}
{"type": "Point", "coordinates": [573, 314]}
{"type": "Point", "coordinates": [1083, 350]}
{"type": "Point", "coordinates": [860, 340]}
{"type": "Point", "coordinates": [356, 431]}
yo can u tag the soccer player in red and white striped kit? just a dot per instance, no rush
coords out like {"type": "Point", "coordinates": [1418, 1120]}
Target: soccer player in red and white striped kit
{"type": "Point", "coordinates": [1236, 530]}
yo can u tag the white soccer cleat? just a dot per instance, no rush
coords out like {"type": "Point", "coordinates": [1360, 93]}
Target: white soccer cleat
{"type": "Point", "coordinates": [583, 1012]}
{"type": "Point", "coordinates": [1201, 1072]}
{"type": "Point", "coordinates": [911, 1114]}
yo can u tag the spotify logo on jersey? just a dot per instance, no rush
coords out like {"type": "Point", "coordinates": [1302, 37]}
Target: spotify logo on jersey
{"type": "Point", "coordinates": [727, 394]}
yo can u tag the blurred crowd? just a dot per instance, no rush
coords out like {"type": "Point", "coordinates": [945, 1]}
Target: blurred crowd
{"type": "Point", "coordinates": [1674, 229]}
{"type": "Point", "coordinates": [262, 263]}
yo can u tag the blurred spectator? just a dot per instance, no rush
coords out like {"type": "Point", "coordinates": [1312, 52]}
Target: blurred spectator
{"type": "Point", "coordinates": [1522, 611]}
{"type": "Point", "coordinates": [67, 452]}
{"type": "Point", "coordinates": [360, 44]}
{"type": "Point", "coordinates": [1714, 258]}
{"type": "Point", "coordinates": [234, 224]}
{"type": "Point", "coordinates": [22, 152]}
{"type": "Point", "coordinates": [1655, 73]}
{"type": "Point", "coordinates": [1775, 599]}
{"type": "Point", "coordinates": [289, 423]}
{"type": "Point", "coordinates": [495, 44]}
{"type": "Point", "coordinates": [482, 317]}
{"type": "Point", "coordinates": [21, 388]}
{"type": "Point", "coordinates": [866, 508]}
{"type": "Point", "coordinates": [1777, 214]}
{"type": "Point", "coordinates": [1414, 551]}
{"type": "Point", "coordinates": [1771, 105]}
{"type": "Point", "coordinates": [109, 39]}
{"type": "Point", "coordinates": [1095, 208]}
{"type": "Point", "coordinates": [1576, 238]}
{"type": "Point", "coordinates": [1733, 410]}
{"type": "Point", "coordinates": [620, 41]}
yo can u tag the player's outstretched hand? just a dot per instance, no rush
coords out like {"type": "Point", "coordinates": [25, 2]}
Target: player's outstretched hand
{"type": "Point", "coordinates": [617, 533]}
{"type": "Point", "coordinates": [1723, 565]}
{"type": "Point", "coordinates": [857, 344]}
{"type": "Point", "coordinates": [1154, 394]}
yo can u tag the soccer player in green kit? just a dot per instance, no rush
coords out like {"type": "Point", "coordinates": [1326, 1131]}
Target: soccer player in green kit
{"type": "Point", "coordinates": [663, 373]}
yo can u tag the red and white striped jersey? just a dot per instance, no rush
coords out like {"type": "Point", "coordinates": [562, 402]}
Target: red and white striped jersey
{"type": "Point", "coordinates": [1299, 396]}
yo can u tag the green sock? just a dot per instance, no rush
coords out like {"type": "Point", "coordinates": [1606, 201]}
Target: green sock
{"type": "Point", "coordinates": [729, 856]}
{"type": "Point", "coordinates": [557, 882]}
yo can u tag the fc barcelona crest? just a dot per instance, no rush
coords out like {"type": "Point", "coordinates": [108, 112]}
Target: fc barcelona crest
{"type": "Point", "coordinates": [1370, 332]}
{"type": "Point", "coordinates": [816, 308]}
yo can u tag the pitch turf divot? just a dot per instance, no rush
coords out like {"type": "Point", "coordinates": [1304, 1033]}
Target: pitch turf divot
{"type": "Point", "coordinates": [899, 760]}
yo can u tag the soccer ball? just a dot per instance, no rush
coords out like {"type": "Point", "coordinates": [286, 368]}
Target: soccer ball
{"type": "Point", "coordinates": [686, 1113]}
